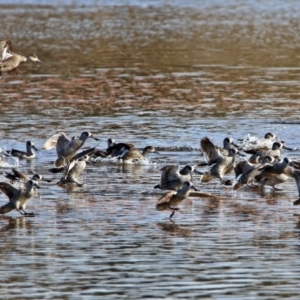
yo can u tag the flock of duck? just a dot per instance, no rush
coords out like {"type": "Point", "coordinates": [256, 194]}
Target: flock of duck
{"type": "Point", "coordinates": [263, 167]}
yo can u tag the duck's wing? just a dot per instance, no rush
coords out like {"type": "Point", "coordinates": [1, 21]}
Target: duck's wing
{"type": "Point", "coordinates": [60, 141]}
{"type": "Point", "coordinates": [255, 150]}
{"type": "Point", "coordinates": [10, 64]}
{"type": "Point", "coordinates": [99, 153]}
{"type": "Point", "coordinates": [5, 50]}
{"type": "Point", "coordinates": [16, 152]}
{"type": "Point", "coordinates": [20, 174]}
{"type": "Point", "coordinates": [164, 202]}
{"type": "Point", "coordinates": [297, 181]}
{"type": "Point", "coordinates": [8, 189]}
{"type": "Point", "coordinates": [4, 209]}
{"type": "Point", "coordinates": [4, 55]}
{"type": "Point", "coordinates": [62, 144]}
{"type": "Point", "coordinates": [242, 167]}
{"type": "Point", "coordinates": [266, 170]}
{"type": "Point", "coordinates": [169, 173]}
{"type": "Point", "coordinates": [210, 151]}
{"type": "Point", "coordinates": [2, 45]}
{"type": "Point", "coordinates": [115, 150]}
{"type": "Point", "coordinates": [6, 43]}
{"type": "Point", "coordinates": [57, 170]}
{"type": "Point", "coordinates": [52, 141]}
{"type": "Point", "coordinates": [88, 152]}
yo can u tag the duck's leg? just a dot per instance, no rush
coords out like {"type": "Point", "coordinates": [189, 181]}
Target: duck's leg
{"type": "Point", "coordinates": [22, 213]}
{"type": "Point", "coordinates": [173, 210]}
{"type": "Point", "coordinates": [277, 189]}
{"type": "Point", "coordinates": [225, 182]}
{"type": "Point", "coordinates": [31, 214]}
{"type": "Point", "coordinates": [172, 214]}
{"type": "Point", "coordinates": [77, 183]}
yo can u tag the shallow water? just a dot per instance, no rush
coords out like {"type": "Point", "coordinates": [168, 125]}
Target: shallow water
{"type": "Point", "coordinates": [161, 74]}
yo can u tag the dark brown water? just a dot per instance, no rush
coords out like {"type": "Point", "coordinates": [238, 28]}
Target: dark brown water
{"type": "Point", "coordinates": [162, 74]}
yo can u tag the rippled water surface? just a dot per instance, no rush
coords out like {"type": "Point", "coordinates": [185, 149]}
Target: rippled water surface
{"type": "Point", "coordinates": [153, 73]}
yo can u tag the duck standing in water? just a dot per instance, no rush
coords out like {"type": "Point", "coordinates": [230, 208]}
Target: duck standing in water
{"type": "Point", "coordinates": [18, 198]}
{"type": "Point", "coordinates": [66, 148]}
{"type": "Point", "coordinates": [220, 165]}
{"type": "Point", "coordinates": [10, 61]}
{"type": "Point", "coordinates": [134, 155]}
{"type": "Point", "coordinates": [73, 171]}
{"type": "Point", "coordinates": [29, 154]}
{"type": "Point", "coordinates": [172, 178]}
{"type": "Point", "coordinates": [171, 200]}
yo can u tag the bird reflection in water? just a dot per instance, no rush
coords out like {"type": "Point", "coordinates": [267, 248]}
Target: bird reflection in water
{"type": "Point", "coordinates": [15, 223]}
{"type": "Point", "coordinates": [170, 226]}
